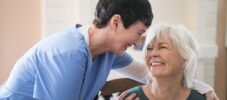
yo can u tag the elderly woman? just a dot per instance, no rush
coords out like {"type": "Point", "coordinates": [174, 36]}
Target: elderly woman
{"type": "Point", "coordinates": [171, 54]}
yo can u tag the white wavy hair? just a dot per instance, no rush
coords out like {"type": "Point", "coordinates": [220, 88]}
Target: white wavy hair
{"type": "Point", "coordinates": [185, 44]}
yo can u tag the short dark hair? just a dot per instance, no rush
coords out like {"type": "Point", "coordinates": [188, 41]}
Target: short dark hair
{"type": "Point", "coordinates": [130, 11]}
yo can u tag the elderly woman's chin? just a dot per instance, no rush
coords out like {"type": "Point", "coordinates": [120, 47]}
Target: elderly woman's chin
{"type": "Point", "coordinates": [155, 72]}
{"type": "Point", "coordinates": [163, 72]}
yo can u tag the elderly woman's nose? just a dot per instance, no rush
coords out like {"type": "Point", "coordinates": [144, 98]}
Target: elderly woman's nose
{"type": "Point", "coordinates": [154, 52]}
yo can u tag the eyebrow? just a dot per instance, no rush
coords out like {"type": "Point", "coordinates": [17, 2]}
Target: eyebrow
{"type": "Point", "coordinates": [162, 43]}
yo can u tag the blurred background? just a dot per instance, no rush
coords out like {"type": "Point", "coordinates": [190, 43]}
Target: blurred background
{"type": "Point", "coordinates": [25, 22]}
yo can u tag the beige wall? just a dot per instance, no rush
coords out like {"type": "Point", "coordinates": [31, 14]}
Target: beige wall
{"type": "Point", "coordinates": [168, 11]}
{"type": "Point", "coordinates": [20, 28]}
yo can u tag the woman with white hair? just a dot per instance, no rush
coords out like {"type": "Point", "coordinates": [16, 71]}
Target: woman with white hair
{"type": "Point", "coordinates": [171, 55]}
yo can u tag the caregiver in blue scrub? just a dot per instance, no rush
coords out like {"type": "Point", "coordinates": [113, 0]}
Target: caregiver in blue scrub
{"type": "Point", "coordinates": [74, 63]}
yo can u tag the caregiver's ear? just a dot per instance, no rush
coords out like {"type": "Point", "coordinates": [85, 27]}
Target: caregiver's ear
{"type": "Point", "coordinates": [114, 21]}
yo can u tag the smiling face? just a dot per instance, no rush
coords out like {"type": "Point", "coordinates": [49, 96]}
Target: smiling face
{"type": "Point", "coordinates": [125, 38]}
{"type": "Point", "coordinates": [163, 58]}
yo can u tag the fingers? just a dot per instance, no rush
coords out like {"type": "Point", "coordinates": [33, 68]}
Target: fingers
{"type": "Point", "coordinates": [125, 96]}
{"type": "Point", "coordinates": [137, 98]}
{"type": "Point", "coordinates": [130, 97]}
{"type": "Point", "coordinates": [211, 95]}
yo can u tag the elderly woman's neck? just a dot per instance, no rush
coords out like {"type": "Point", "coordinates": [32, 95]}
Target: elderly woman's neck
{"type": "Point", "coordinates": [167, 88]}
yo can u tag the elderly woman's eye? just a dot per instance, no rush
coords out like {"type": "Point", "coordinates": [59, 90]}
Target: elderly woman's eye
{"type": "Point", "coordinates": [163, 47]}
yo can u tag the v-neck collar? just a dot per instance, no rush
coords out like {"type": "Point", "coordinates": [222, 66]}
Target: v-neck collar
{"type": "Point", "coordinates": [83, 29]}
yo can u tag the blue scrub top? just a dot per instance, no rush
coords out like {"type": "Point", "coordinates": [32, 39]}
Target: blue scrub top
{"type": "Point", "coordinates": [60, 67]}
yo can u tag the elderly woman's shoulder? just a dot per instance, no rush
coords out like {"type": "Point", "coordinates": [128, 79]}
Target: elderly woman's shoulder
{"type": "Point", "coordinates": [194, 95]}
